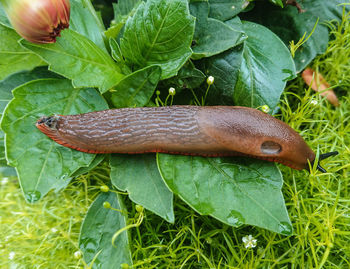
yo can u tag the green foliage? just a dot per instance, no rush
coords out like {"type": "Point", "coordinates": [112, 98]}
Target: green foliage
{"type": "Point", "coordinates": [14, 58]}
{"type": "Point", "coordinates": [232, 193]}
{"type": "Point", "coordinates": [265, 68]}
{"type": "Point", "coordinates": [136, 89]}
{"type": "Point", "coordinates": [150, 46]}
{"type": "Point", "coordinates": [138, 176]}
{"type": "Point", "coordinates": [156, 36]}
{"type": "Point", "coordinates": [211, 36]}
{"type": "Point", "coordinates": [31, 101]}
{"type": "Point", "coordinates": [290, 25]}
{"type": "Point", "coordinates": [224, 10]}
{"type": "Point", "coordinates": [89, 66]}
{"type": "Point", "coordinates": [97, 230]}
{"type": "Point", "coordinates": [84, 20]}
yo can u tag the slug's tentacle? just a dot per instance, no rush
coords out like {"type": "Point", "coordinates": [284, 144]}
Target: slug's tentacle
{"type": "Point", "coordinates": [322, 157]}
{"type": "Point", "coordinates": [189, 130]}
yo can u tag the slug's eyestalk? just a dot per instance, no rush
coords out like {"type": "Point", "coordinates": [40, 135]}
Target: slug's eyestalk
{"type": "Point", "coordinates": [322, 157]}
{"type": "Point", "coordinates": [38, 21]}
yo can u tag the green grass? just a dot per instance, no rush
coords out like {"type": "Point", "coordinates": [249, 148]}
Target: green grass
{"type": "Point", "coordinates": [45, 235]}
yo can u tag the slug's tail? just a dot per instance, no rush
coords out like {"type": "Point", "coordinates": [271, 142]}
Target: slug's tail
{"type": "Point", "coordinates": [322, 157]}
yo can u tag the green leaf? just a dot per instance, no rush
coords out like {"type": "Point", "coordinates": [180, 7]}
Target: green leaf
{"type": "Point", "coordinates": [115, 50]}
{"type": "Point", "coordinates": [124, 8]}
{"type": "Point", "coordinates": [225, 69]}
{"type": "Point", "coordinates": [266, 66]}
{"type": "Point", "coordinates": [188, 77]}
{"type": "Point", "coordinates": [122, 11]}
{"type": "Point", "coordinates": [114, 30]}
{"type": "Point", "coordinates": [290, 25]}
{"type": "Point", "coordinates": [78, 58]}
{"type": "Point", "coordinates": [235, 191]}
{"type": "Point", "coordinates": [211, 36]}
{"type": "Point", "coordinates": [96, 161]}
{"type": "Point", "coordinates": [85, 21]}
{"type": "Point", "coordinates": [2, 150]}
{"type": "Point", "coordinates": [159, 33]}
{"type": "Point", "coordinates": [226, 9]}
{"type": "Point", "coordinates": [97, 231]}
{"type": "Point", "coordinates": [13, 81]}
{"type": "Point", "coordinates": [7, 85]}
{"type": "Point", "coordinates": [41, 163]}
{"type": "Point", "coordinates": [136, 89]}
{"type": "Point", "coordinates": [139, 176]}
{"type": "Point", "coordinates": [14, 58]}
{"type": "Point", "coordinates": [3, 17]}
{"type": "Point", "coordinates": [277, 2]}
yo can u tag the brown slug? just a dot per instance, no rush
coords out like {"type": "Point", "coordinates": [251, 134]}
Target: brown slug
{"type": "Point", "coordinates": [189, 130]}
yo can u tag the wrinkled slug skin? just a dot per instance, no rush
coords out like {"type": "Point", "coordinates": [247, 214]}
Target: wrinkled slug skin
{"type": "Point", "coordinates": [189, 130]}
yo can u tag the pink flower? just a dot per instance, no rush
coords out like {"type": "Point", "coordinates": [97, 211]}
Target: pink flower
{"type": "Point", "coordinates": [38, 21]}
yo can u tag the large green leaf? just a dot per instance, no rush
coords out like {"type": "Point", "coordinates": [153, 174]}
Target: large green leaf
{"type": "Point", "coordinates": [226, 9]}
{"type": "Point", "coordinates": [41, 163]}
{"type": "Point", "coordinates": [290, 25]}
{"type": "Point", "coordinates": [266, 66]}
{"type": "Point", "coordinates": [85, 21]}
{"type": "Point", "coordinates": [79, 59]}
{"type": "Point", "coordinates": [136, 89]}
{"type": "Point", "coordinates": [13, 57]}
{"type": "Point", "coordinates": [211, 36]}
{"type": "Point", "coordinates": [159, 33]}
{"type": "Point", "coordinates": [97, 231]}
{"type": "Point", "coordinates": [139, 176]}
{"type": "Point", "coordinates": [235, 191]}
{"type": "Point", "coordinates": [11, 82]}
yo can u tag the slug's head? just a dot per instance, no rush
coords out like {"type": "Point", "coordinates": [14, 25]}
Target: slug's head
{"type": "Point", "coordinates": [48, 125]}
{"type": "Point", "coordinates": [253, 133]}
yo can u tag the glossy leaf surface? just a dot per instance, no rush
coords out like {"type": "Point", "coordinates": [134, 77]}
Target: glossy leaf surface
{"type": "Point", "coordinates": [159, 33]}
{"type": "Point", "coordinates": [13, 57]}
{"type": "Point", "coordinates": [211, 36]}
{"type": "Point", "coordinates": [136, 89]}
{"type": "Point", "coordinates": [79, 59]}
{"type": "Point", "coordinates": [266, 67]}
{"type": "Point", "coordinates": [41, 163]}
{"type": "Point", "coordinates": [235, 191]}
{"type": "Point", "coordinates": [226, 9]}
{"type": "Point", "coordinates": [97, 231]}
{"type": "Point", "coordinates": [139, 176]}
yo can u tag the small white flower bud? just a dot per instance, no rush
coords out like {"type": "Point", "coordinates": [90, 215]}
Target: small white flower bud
{"type": "Point", "coordinates": [77, 254]}
{"type": "Point", "coordinates": [172, 91]}
{"type": "Point", "coordinates": [4, 181]}
{"type": "Point", "coordinates": [210, 80]}
{"type": "Point", "coordinates": [12, 255]}
{"type": "Point", "coordinates": [314, 102]}
{"type": "Point", "coordinates": [265, 108]}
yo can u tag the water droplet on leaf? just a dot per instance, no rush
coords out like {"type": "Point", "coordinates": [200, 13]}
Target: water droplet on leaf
{"type": "Point", "coordinates": [235, 218]}
{"type": "Point", "coordinates": [285, 228]}
{"type": "Point", "coordinates": [32, 196]}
